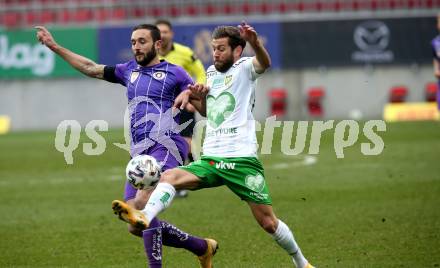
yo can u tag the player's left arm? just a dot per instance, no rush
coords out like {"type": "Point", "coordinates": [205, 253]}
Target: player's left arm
{"type": "Point", "coordinates": [262, 60]}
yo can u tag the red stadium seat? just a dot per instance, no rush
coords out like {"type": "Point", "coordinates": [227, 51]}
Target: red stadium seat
{"type": "Point", "coordinates": [139, 12]}
{"type": "Point", "coordinates": [246, 8]}
{"type": "Point", "coordinates": [300, 6]}
{"type": "Point", "coordinates": [155, 12]}
{"type": "Point", "coordinates": [265, 8]}
{"type": "Point", "coordinates": [392, 4]}
{"type": "Point", "coordinates": [118, 13]}
{"type": "Point", "coordinates": [314, 101]}
{"type": "Point", "coordinates": [428, 3]}
{"type": "Point", "coordinates": [282, 7]}
{"type": "Point", "coordinates": [228, 9]}
{"type": "Point", "coordinates": [318, 6]}
{"type": "Point", "coordinates": [82, 15]}
{"type": "Point", "coordinates": [24, 2]}
{"type": "Point", "coordinates": [191, 10]}
{"type": "Point", "coordinates": [210, 9]}
{"type": "Point", "coordinates": [374, 4]}
{"type": "Point", "coordinates": [411, 3]}
{"type": "Point", "coordinates": [11, 19]}
{"type": "Point", "coordinates": [65, 16]}
{"type": "Point", "coordinates": [174, 11]}
{"type": "Point", "coordinates": [334, 6]}
{"type": "Point", "coordinates": [31, 18]}
{"type": "Point", "coordinates": [398, 94]}
{"type": "Point", "coordinates": [47, 16]}
{"type": "Point", "coordinates": [278, 98]}
{"type": "Point", "coordinates": [101, 14]}
{"type": "Point", "coordinates": [431, 90]}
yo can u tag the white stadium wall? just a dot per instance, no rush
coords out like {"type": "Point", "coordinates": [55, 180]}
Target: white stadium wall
{"type": "Point", "coordinates": [353, 92]}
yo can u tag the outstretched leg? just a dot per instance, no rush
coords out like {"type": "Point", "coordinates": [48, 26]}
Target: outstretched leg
{"type": "Point", "coordinates": [162, 232]}
{"type": "Point", "coordinates": [280, 232]}
{"type": "Point", "coordinates": [162, 196]}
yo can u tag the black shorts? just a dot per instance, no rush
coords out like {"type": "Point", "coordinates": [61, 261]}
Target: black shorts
{"type": "Point", "coordinates": [185, 116]}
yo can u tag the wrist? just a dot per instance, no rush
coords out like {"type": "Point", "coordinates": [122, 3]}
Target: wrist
{"type": "Point", "coordinates": [256, 44]}
{"type": "Point", "coordinates": [55, 48]}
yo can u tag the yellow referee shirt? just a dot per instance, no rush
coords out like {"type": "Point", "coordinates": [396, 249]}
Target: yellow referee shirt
{"type": "Point", "coordinates": [183, 56]}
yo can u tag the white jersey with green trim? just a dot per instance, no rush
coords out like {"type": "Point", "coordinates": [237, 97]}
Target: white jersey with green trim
{"type": "Point", "coordinates": [230, 130]}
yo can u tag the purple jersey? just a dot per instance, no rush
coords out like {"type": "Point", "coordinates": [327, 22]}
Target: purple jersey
{"type": "Point", "coordinates": [151, 92]}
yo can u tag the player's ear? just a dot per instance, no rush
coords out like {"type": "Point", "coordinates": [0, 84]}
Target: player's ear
{"type": "Point", "coordinates": [238, 50]}
{"type": "Point", "coordinates": [158, 44]}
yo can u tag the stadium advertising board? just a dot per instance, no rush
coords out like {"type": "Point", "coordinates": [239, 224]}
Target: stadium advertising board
{"type": "Point", "coordinates": [114, 42]}
{"type": "Point", "coordinates": [21, 56]}
{"type": "Point", "coordinates": [354, 42]}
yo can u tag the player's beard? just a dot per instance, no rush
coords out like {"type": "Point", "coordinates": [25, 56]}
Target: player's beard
{"type": "Point", "coordinates": [224, 66]}
{"type": "Point", "coordinates": [148, 57]}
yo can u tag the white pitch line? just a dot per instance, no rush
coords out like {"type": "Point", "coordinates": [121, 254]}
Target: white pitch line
{"type": "Point", "coordinates": [307, 160]}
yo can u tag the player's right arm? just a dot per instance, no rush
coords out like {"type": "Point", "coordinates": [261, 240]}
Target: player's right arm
{"type": "Point", "coordinates": [81, 63]}
{"type": "Point", "coordinates": [194, 95]}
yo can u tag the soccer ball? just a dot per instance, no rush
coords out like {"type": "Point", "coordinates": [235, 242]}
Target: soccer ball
{"type": "Point", "coordinates": [143, 172]}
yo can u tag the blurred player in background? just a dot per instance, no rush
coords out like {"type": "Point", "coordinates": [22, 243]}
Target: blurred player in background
{"type": "Point", "coordinates": [152, 86]}
{"type": "Point", "coordinates": [435, 43]}
{"type": "Point", "coordinates": [230, 145]}
{"type": "Point", "coordinates": [183, 56]}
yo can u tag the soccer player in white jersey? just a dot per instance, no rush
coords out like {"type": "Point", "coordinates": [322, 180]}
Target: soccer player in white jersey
{"type": "Point", "coordinates": [230, 147]}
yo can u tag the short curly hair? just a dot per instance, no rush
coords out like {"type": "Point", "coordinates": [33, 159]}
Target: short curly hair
{"type": "Point", "coordinates": [233, 34]}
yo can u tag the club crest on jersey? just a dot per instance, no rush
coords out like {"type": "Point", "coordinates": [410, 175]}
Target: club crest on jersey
{"type": "Point", "coordinates": [228, 80]}
{"type": "Point", "coordinates": [159, 75]}
{"type": "Point", "coordinates": [134, 76]}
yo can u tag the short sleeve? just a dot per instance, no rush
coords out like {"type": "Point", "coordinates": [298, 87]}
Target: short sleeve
{"type": "Point", "coordinates": [184, 79]}
{"type": "Point", "coordinates": [121, 73]}
{"type": "Point", "coordinates": [250, 69]}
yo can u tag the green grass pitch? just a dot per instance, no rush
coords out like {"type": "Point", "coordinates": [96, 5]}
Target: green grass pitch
{"type": "Point", "coordinates": [360, 211]}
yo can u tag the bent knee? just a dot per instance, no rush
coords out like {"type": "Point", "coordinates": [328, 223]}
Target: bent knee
{"type": "Point", "coordinates": [269, 224]}
{"type": "Point", "coordinates": [169, 176]}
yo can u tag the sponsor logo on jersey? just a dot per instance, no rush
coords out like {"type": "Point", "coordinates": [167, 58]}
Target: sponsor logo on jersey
{"type": "Point", "coordinates": [218, 82]}
{"type": "Point", "coordinates": [219, 108]}
{"type": "Point", "coordinates": [159, 75]}
{"type": "Point", "coordinates": [224, 165]}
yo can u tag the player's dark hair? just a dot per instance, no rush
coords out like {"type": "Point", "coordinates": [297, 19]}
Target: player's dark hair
{"type": "Point", "coordinates": [165, 22]}
{"type": "Point", "coordinates": [154, 31]}
{"type": "Point", "coordinates": [233, 34]}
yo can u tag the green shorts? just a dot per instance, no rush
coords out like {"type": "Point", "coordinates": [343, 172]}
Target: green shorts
{"type": "Point", "coordinates": [243, 175]}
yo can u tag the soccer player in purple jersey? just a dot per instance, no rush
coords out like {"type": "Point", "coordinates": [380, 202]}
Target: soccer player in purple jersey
{"type": "Point", "coordinates": [152, 86]}
{"type": "Point", "coordinates": [435, 44]}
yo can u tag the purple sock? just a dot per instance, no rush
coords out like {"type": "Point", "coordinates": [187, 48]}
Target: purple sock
{"type": "Point", "coordinates": [174, 237]}
{"type": "Point", "coordinates": [153, 244]}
